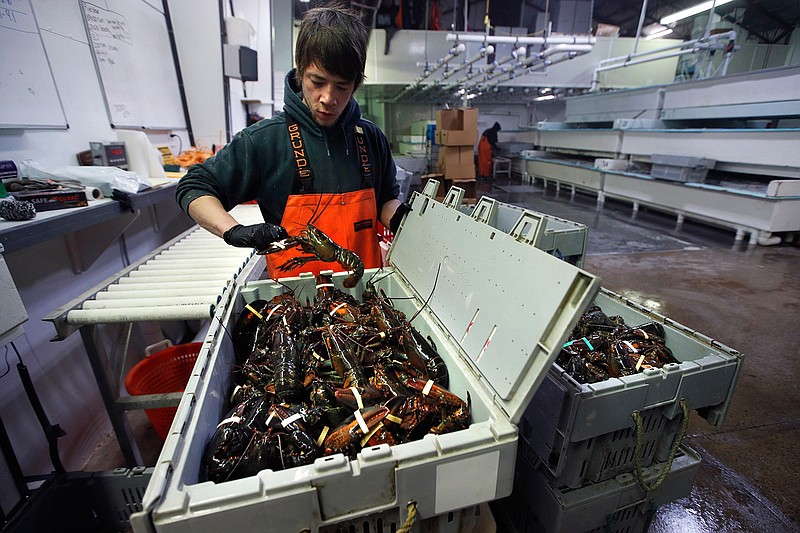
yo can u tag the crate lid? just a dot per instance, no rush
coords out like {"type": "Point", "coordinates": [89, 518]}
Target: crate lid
{"type": "Point", "coordinates": [506, 305]}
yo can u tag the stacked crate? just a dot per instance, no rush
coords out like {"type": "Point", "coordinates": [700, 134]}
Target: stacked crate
{"type": "Point", "coordinates": [603, 456]}
{"type": "Point", "coordinates": [616, 443]}
{"type": "Point", "coordinates": [456, 134]}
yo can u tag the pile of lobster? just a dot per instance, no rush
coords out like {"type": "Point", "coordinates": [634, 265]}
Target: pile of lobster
{"type": "Point", "coordinates": [602, 347]}
{"type": "Point", "coordinates": [329, 377]}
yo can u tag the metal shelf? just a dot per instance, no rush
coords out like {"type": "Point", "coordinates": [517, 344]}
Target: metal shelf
{"type": "Point", "coordinates": [16, 235]}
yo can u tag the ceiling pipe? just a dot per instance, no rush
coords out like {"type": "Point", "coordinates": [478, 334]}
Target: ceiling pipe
{"type": "Point", "coordinates": [570, 50]}
{"type": "Point", "coordinates": [488, 50]}
{"type": "Point", "coordinates": [503, 39]}
{"type": "Point", "coordinates": [515, 54]}
{"type": "Point", "coordinates": [442, 61]}
{"type": "Point", "coordinates": [639, 27]}
{"type": "Point", "coordinates": [471, 74]}
{"type": "Point", "coordinates": [639, 58]}
{"type": "Point", "coordinates": [451, 54]}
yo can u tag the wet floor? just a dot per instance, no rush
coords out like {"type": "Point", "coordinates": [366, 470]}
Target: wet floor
{"type": "Point", "coordinates": [745, 297]}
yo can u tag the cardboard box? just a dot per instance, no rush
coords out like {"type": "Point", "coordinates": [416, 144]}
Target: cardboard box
{"type": "Point", "coordinates": [457, 137]}
{"type": "Point", "coordinates": [463, 118]}
{"type": "Point", "coordinates": [452, 156]}
{"type": "Point", "coordinates": [457, 161]}
{"type": "Point", "coordinates": [469, 186]}
{"type": "Point", "coordinates": [464, 171]}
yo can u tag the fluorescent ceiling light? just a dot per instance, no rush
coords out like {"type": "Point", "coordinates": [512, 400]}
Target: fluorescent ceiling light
{"type": "Point", "coordinates": [658, 34]}
{"type": "Point", "coordinates": [544, 98]}
{"type": "Point", "coordinates": [694, 10]}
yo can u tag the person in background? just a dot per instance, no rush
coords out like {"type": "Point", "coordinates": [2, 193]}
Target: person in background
{"type": "Point", "coordinates": [486, 146]}
{"type": "Point", "coordinates": [316, 162]}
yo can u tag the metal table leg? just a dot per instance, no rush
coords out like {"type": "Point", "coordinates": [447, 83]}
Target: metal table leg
{"type": "Point", "coordinates": [102, 373]}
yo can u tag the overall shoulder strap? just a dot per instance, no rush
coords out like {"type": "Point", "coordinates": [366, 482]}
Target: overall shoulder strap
{"type": "Point", "coordinates": [367, 174]}
{"type": "Point", "coordinates": [303, 175]}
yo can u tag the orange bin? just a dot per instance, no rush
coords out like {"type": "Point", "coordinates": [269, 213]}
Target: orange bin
{"type": "Point", "coordinates": [165, 371]}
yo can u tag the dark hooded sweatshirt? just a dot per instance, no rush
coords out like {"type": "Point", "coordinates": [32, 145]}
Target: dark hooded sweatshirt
{"type": "Point", "coordinates": [258, 163]}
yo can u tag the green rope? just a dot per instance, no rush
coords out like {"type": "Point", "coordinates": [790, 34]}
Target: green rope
{"type": "Point", "coordinates": [638, 452]}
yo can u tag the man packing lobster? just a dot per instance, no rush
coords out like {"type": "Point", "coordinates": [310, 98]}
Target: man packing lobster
{"type": "Point", "coordinates": [316, 165]}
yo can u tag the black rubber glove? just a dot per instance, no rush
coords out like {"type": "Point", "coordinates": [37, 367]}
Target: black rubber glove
{"type": "Point", "coordinates": [257, 236]}
{"type": "Point", "coordinates": [123, 198]}
{"type": "Point", "coordinates": [397, 219]}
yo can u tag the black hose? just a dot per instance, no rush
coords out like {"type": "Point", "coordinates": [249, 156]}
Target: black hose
{"type": "Point", "coordinates": [51, 431]}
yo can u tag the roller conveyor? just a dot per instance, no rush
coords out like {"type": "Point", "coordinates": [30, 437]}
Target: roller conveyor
{"type": "Point", "coordinates": [187, 278]}
{"type": "Point", "coordinates": [195, 256]}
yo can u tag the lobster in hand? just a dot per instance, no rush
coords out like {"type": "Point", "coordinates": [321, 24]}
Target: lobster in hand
{"type": "Point", "coordinates": [313, 240]}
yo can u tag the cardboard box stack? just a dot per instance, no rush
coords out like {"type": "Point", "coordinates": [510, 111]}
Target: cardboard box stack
{"type": "Point", "coordinates": [456, 134]}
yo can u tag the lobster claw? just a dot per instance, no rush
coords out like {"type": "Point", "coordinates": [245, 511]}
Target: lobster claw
{"type": "Point", "coordinates": [353, 429]}
{"type": "Point", "coordinates": [358, 397]}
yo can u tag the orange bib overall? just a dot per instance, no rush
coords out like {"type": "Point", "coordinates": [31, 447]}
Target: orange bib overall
{"type": "Point", "coordinates": [484, 157]}
{"type": "Point", "coordinates": [349, 219]}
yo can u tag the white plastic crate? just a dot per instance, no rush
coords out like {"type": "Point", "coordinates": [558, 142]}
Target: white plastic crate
{"type": "Point", "coordinates": [473, 313]}
{"type": "Point", "coordinates": [586, 433]}
{"type": "Point", "coordinates": [680, 168]}
{"type": "Point", "coordinates": [611, 164]}
{"type": "Point", "coordinates": [682, 174]}
{"type": "Point", "coordinates": [618, 505]}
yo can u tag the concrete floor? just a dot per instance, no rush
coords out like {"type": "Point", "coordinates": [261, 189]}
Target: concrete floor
{"type": "Point", "coordinates": [747, 298]}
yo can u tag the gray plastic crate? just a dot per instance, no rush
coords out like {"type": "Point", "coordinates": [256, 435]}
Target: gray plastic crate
{"type": "Point", "coordinates": [556, 236]}
{"type": "Point", "coordinates": [460, 521]}
{"type": "Point", "coordinates": [586, 433]}
{"type": "Point", "coordinates": [618, 505]}
{"type": "Point", "coordinates": [91, 502]}
{"type": "Point", "coordinates": [473, 315]}
{"type": "Point", "coordinates": [680, 168]}
{"type": "Point", "coordinates": [605, 456]}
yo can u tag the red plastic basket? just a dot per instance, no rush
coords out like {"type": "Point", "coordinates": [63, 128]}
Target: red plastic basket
{"type": "Point", "coordinates": [165, 371]}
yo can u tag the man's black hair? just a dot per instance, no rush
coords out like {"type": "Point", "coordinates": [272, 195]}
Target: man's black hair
{"type": "Point", "coordinates": [333, 36]}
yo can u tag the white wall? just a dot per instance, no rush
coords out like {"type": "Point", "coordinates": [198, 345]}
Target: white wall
{"type": "Point", "coordinates": [198, 40]}
{"type": "Point", "coordinates": [43, 273]}
{"type": "Point", "coordinates": [259, 15]}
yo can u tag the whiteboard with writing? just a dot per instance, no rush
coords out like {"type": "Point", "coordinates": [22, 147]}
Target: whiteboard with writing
{"type": "Point", "coordinates": [134, 59]}
{"type": "Point", "coordinates": [28, 94]}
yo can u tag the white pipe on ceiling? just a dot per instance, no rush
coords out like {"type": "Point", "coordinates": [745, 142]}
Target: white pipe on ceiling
{"type": "Point", "coordinates": [628, 60]}
{"type": "Point", "coordinates": [570, 51]}
{"type": "Point", "coordinates": [488, 50]}
{"type": "Point", "coordinates": [502, 39]}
